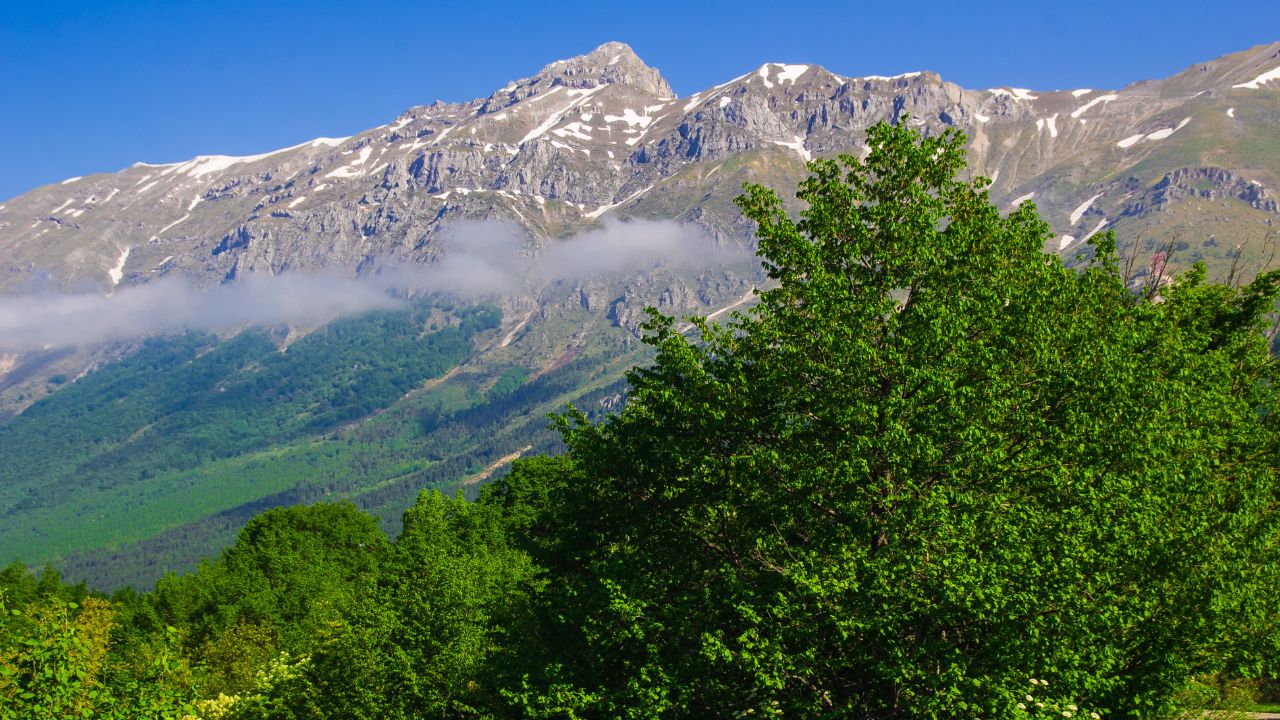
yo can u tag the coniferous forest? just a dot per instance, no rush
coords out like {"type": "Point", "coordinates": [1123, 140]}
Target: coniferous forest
{"type": "Point", "coordinates": [934, 473]}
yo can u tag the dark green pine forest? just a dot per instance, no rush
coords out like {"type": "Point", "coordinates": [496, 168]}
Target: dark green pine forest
{"type": "Point", "coordinates": [934, 473]}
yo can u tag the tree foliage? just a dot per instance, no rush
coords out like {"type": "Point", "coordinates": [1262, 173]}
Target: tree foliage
{"type": "Point", "coordinates": [420, 644]}
{"type": "Point", "coordinates": [55, 663]}
{"type": "Point", "coordinates": [932, 464]}
{"type": "Point", "coordinates": [291, 571]}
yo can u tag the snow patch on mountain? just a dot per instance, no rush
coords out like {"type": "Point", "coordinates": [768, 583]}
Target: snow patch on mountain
{"type": "Point", "coordinates": [1015, 93]}
{"type": "Point", "coordinates": [162, 230]}
{"type": "Point", "coordinates": [116, 272]}
{"type": "Point", "coordinates": [798, 145]}
{"type": "Point", "coordinates": [606, 208]}
{"type": "Point", "coordinates": [1157, 135]}
{"type": "Point", "coordinates": [638, 138]}
{"type": "Point", "coordinates": [581, 95]}
{"type": "Point", "coordinates": [725, 84]}
{"type": "Point", "coordinates": [542, 96]}
{"type": "Point", "coordinates": [570, 148]}
{"type": "Point", "coordinates": [202, 165]}
{"type": "Point", "coordinates": [574, 129]}
{"type": "Point", "coordinates": [1085, 107]}
{"type": "Point", "coordinates": [1095, 229]}
{"type": "Point", "coordinates": [903, 76]}
{"type": "Point", "coordinates": [791, 73]}
{"type": "Point", "coordinates": [1258, 82]}
{"type": "Point", "coordinates": [763, 72]}
{"type": "Point", "coordinates": [1162, 134]}
{"type": "Point", "coordinates": [351, 169]}
{"type": "Point", "coordinates": [439, 138]}
{"type": "Point", "coordinates": [1083, 208]}
{"type": "Point", "coordinates": [630, 117]}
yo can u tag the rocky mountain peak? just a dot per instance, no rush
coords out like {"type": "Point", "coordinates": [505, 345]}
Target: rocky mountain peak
{"type": "Point", "coordinates": [612, 62]}
{"type": "Point", "coordinates": [600, 135]}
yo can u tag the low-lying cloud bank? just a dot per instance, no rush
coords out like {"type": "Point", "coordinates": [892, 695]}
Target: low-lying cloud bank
{"type": "Point", "coordinates": [482, 259]}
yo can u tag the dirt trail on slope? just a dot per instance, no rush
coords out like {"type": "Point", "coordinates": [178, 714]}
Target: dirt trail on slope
{"type": "Point", "coordinates": [512, 335]}
{"type": "Point", "coordinates": [685, 327]}
{"type": "Point", "coordinates": [493, 466]}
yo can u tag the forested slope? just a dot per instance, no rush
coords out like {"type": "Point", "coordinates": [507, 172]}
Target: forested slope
{"type": "Point", "coordinates": [177, 423]}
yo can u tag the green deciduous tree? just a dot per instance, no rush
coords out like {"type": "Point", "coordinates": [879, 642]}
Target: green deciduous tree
{"type": "Point", "coordinates": [290, 571]}
{"type": "Point", "coordinates": [420, 643]}
{"type": "Point", "coordinates": [931, 465]}
{"type": "Point", "coordinates": [55, 664]}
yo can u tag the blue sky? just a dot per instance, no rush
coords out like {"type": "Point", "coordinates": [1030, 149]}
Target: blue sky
{"type": "Point", "coordinates": [94, 86]}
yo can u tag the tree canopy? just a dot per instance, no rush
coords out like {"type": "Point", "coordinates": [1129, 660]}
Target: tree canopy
{"type": "Point", "coordinates": [932, 464]}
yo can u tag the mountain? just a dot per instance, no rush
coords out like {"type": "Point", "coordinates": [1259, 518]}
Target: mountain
{"type": "Point", "coordinates": [1189, 164]}
{"type": "Point", "coordinates": [1184, 169]}
{"type": "Point", "coordinates": [602, 134]}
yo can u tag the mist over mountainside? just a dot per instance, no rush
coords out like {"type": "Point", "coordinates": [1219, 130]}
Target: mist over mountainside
{"type": "Point", "coordinates": [484, 259]}
{"type": "Point", "coordinates": [569, 200]}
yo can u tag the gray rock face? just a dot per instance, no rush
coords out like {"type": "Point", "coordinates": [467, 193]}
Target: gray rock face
{"type": "Point", "coordinates": [1210, 184]}
{"type": "Point", "coordinates": [602, 134]}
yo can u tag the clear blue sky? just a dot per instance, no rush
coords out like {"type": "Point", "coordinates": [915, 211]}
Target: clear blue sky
{"type": "Point", "coordinates": [94, 86]}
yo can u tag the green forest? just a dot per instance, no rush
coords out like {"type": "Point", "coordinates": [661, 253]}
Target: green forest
{"type": "Point", "coordinates": [935, 473]}
{"type": "Point", "coordinates": [157, 459]}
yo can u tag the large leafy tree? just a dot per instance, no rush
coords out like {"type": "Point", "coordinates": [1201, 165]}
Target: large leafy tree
{"type": "Point", "coordinates": [932, 464]}
{"type": "Point", "coordinates": [420, 643]}
{"type": "Point", "coordinates": [291, 572]}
